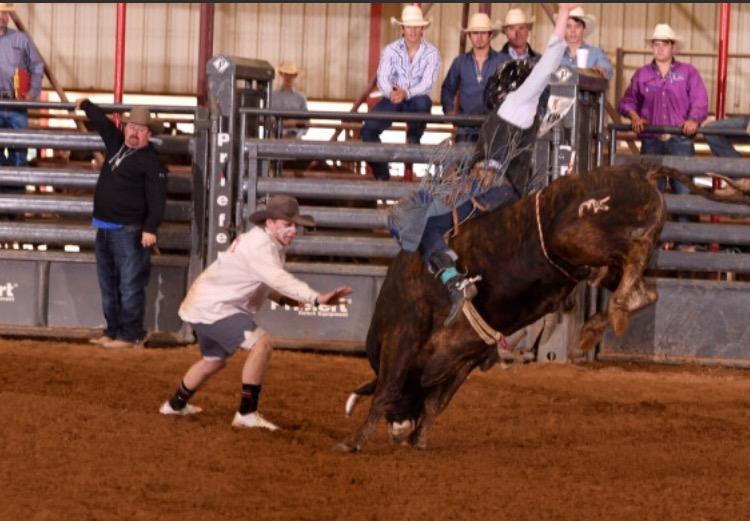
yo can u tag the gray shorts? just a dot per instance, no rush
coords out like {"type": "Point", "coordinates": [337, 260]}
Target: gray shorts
{"type": "Point", "coordinates": [222, 338]}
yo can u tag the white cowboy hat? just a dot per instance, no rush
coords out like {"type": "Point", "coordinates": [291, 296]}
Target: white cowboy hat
{"type": "Point", "coordinates": [7, 7]}
{"type": "Point", "coordinates": [411, 16]}
{"type": "Point", "coordinates": [289, 67]}
{"type": "Point", "coordinates": [664, 32]}
{"type": "Point", "coordinates": [481, 23]}
{"type": "Point", "coordinates": [588, 20]}
{"type": "Point", "coordinates": [515, 17]}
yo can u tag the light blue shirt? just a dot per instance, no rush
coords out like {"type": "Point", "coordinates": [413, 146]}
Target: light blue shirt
{"type": "Point", "coordinates": [597, 58]}
{"type": "Point", "coordinates": [416, 77]}
{"type": "Point", "coordinates": [16, 51]}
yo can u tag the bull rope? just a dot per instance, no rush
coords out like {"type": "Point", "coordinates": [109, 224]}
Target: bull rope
{"type": "Point", "coordinates": [486, 332]}
{"type": "Point", "coordinates": [537, 205]}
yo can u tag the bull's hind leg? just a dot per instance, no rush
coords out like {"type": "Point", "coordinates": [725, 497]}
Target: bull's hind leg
{"type": "Point", "coordinates": [436, 402]}
{"type": "Point", "coordinates": [395, 362]}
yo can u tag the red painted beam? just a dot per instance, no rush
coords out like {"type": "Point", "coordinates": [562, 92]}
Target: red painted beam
{"type": "Point", "coordinates": [120, 51]}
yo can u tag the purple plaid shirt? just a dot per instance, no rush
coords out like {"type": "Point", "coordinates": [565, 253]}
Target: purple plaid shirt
{"type": "Point", "coordinates": [669, 100]}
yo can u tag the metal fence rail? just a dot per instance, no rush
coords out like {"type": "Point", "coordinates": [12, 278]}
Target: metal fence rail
{"type": "Point", "coordinates": [76, 178]}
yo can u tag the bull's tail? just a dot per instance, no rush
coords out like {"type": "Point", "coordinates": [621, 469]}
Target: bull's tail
{"type": "Point", "coordinates": [363, 390]}
{"type": "Point", "coordinates": [739, 196]}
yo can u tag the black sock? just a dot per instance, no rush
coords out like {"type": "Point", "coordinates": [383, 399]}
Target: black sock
{"type": "Point", "coordinates": [250, 398]}
{"type": "Point", "coordinates": [181, 397]}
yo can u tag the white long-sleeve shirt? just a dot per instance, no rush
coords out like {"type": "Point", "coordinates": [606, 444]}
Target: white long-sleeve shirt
{"type": "Point", "coordinates": [519, 106]}
{"type": "Point", "coordinates": [241, 279]}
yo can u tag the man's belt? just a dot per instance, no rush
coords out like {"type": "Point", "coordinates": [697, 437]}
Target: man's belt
{"type": "Point", "coordinates": [665, 137]}
{"type": "Point", "coordinates": [7, 95]}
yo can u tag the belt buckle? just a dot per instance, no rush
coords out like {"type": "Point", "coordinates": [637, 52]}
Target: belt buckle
{"type": "Point", "coordinates": [665, 137]}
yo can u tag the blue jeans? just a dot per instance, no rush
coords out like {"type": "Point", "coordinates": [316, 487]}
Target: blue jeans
{"type": "Point", "coordinates": [433, 238]}
{"type": "Point", "coordinates": [721, 146]}
{"type": "Point", "coordinates": [123, 266]}
{"type": "Point", "coordinates": [372, 129]}
{"type": "Point", "coordinates": [674, 146]}
{"type": "Point", "coordinates": [15, 119]}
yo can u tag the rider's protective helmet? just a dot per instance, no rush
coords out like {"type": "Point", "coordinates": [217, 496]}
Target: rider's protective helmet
{"type": "Point", "coordinates": [505, 80]}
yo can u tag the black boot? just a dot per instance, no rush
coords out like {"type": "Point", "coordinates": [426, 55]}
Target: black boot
{"type": "Point", "coordinates": [460, 288]}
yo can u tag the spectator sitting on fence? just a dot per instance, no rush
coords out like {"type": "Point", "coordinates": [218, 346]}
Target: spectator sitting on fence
{"type": "Point", "coordinates": [722, 146]}
{"type": "Point", "coordinates": [517, 27]}
{"type": "Point", "coordinates": [406, 74]}
{"type": "Point", "coordinates": [579, 26]}
{"type": "Point", "coordinates": [469, 73]}
{"type": "Point", "coordinates": [666, 92]}
{"type": "Point", "coordinates": [21, 70]}
{"type": "Point", "coordinates": [222, 303]}
{"type": "Point", "coordinates": [287, 97]}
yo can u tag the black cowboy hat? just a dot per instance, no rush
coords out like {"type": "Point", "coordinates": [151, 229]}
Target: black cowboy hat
{"type": "Point", "coordinates": [282, 207]}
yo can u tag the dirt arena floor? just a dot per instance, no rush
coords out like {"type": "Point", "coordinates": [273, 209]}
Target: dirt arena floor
{"type": "Point", "coordinates": [81, 439]}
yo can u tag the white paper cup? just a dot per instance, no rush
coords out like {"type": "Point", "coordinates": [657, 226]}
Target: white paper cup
{"type": "Point", "coordinates": [582, 58]}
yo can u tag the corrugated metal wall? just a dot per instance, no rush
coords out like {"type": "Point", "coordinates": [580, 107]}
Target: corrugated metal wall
{"type": "Point", "coordinates": [330, 41]}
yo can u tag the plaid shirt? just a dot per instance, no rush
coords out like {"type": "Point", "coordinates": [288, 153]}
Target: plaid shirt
{"type": "Point", "coordinates": [416, 77]}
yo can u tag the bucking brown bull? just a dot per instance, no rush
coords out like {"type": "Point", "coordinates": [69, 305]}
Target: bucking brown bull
{"type": "Point", "coordinates": [601, 225]}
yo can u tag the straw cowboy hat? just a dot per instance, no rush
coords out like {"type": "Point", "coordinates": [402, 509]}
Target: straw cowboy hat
{"type": "Point", "coordinates": [515, 17]}
{"type": "Point", "coordinates": [411, 16]}
{"type": "Point", "coordinates": [7, 7]}
{"type": "Point", "coordinates": [282, 207]}
{"type": "Point", "coordinates": [588, 20]}
{"type": "Point", "coordinates": [140, 115]}
{"type": "Point", "coordinates": [289, 67]}
{"type": "Point", "coordinates": [664, 32]}
{"type": "Point", "coordinates": [481, 23]}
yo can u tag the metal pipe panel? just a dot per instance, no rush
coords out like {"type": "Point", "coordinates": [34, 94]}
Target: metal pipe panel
{"type": "Point", "coordinates": [698, 205]}
{"type": "Point", "coordinates": [343, 246]}
{"type": "Point", "coordinates": [171, 236]}
{"type": "Point", "coordinates": [346, 217]}
{"type": "Point", "coordinates": [73, 140]}
{"type": "Point", "coordinates": [79, 206]}
{"type": "Point", "coordinates": [389, 152]}
{"type": "Point", "coordinates": [362, 116]}
{"type": "Point", "coordinates": [700, 261]}
{"type": "Point", "coordinates": [730, 166]}
{"type": "Point", "coordinates": [340, 189]}
{"type": "Point", "coordinates": [732, 234]}
{"type": "Point", "coordinates": [106, 107]}
{"type": "Point", "coordinates": [76, 178]}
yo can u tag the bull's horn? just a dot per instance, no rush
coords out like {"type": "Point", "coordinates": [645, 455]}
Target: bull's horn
{"type": "Point", "coordinates": [350, 403]}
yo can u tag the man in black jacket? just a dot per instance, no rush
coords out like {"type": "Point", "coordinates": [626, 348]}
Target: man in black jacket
{"type": "Point", "coordinates": [128, 206]}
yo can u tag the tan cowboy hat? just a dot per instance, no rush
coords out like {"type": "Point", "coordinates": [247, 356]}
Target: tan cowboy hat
{"type": "Point", "coordinates": [664, 32]}
{"type": "Point", "coordinates": [281, 207]}
{"type": "Point", "coordinates": [289, 67]}
{"type": "Point", "coordinates": [7, 7]}
{"type": "Point", "coordinates": [481, 23]}
{"type": "Point", "coordinates": [411, 16]}
{"type": "Point", "coordinates": [588, 20]}
{"type": "Point", "coordinates": [140, 115]}
{"type": "Point", "coordinates": [515, 17]}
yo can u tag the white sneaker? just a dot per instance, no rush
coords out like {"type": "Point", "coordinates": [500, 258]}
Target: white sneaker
{"type": "Point", "coordinates": [252, 420]}
{"type": "Point", "coordinates": [185, 411]}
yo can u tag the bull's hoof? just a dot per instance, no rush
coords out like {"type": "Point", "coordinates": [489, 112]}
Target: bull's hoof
{"type": "Point", "coordinates": [400, 431]}
{"type": "Point", "coordinates": [418, 440]}
{"type": "Point", "coordinates": [345, 446]}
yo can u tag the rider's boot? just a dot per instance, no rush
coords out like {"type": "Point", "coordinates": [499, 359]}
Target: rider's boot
{"type": "Point", "coordinates": [459, 287]}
